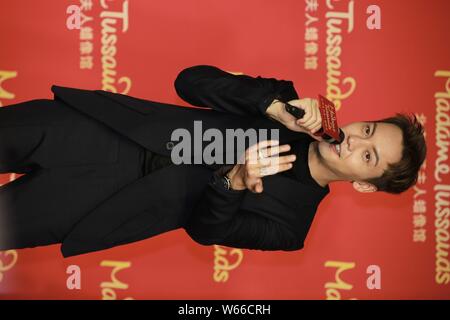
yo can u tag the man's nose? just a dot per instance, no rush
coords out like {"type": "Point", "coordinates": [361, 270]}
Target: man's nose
{"type": "Point", "coordinates": [353, 142]}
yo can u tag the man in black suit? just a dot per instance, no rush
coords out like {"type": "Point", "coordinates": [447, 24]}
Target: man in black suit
{"type": "Point", "coordinates": [100, 172]}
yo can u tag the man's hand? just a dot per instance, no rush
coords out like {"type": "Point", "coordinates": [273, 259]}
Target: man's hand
{"type": "Point", "coordinates": [311, 121]}
{"type": "Point", "coordinates": [261, 160]}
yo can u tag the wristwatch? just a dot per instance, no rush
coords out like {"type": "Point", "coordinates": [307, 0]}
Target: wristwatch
{"type": "Point", "coordinates": [221, 178]}
{"type": "Point", "coordinates": [226, 182]}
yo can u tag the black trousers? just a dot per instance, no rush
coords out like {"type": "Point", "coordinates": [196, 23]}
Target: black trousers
{"type": "Point", "coordinates": [70, 164]}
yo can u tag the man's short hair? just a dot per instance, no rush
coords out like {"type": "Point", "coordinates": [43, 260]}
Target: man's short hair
{"type": "Point", "coordinates": [400, 176]}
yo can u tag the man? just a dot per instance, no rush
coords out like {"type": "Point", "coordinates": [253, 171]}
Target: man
{"type": "Point", "coordinates": [266, 202]}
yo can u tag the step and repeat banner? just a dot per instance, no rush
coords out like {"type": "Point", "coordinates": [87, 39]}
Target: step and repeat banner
{"type": "Point", "coordinates": [372, 58]}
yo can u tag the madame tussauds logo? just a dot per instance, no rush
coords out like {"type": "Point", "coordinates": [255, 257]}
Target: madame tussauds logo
{"type": "Point", "coordinates": [219, 149]}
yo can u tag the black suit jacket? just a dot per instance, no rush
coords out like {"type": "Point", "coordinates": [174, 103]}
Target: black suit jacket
{"type": "Point", "coordinates": [277, 219]}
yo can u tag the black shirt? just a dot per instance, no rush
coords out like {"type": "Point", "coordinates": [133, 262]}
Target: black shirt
{"type": "Point", "coordinates": [300, 170]}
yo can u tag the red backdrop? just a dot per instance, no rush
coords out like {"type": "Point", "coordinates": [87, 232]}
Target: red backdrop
{"type": "Point", "coordinates": [324, 47]}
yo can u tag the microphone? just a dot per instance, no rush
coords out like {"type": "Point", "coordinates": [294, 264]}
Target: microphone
{"type": "Point", "coordinates": [330, 132]}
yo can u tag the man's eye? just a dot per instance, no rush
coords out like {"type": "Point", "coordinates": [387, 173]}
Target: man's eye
{"type": "Point", "coordinates": [367, 130]}
{"type": "Point", "coordinates": [367, 156]}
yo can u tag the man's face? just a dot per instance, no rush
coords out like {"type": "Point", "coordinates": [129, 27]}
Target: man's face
{"type": "Point", "coordinates": [365, 153]}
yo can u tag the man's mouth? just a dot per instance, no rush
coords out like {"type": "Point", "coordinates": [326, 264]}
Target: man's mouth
{"type": "Point", "coordinates": [336, 148]}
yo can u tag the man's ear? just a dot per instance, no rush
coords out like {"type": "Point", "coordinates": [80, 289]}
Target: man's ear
{"type": "Point", "coordinates": [364, 186]}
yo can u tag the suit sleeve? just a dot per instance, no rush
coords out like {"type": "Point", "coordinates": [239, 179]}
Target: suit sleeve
{"type": "Point", "coordinates": [219, 220]}
{"type": "Point", "coordinates": [209, 86]}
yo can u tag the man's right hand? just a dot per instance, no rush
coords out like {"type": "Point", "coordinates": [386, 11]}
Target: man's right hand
{"type": "Point", "coordinates": [309, 124]}
{"type": "Point", "coordinates": [248, 175]}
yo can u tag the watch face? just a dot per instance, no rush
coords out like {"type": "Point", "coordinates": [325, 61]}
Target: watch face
{"type": "Point", "coordinates": [225, 183]}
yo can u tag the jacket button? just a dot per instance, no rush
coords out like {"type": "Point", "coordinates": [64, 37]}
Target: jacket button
{"type": "Point", "coordinates": [169, 145]}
